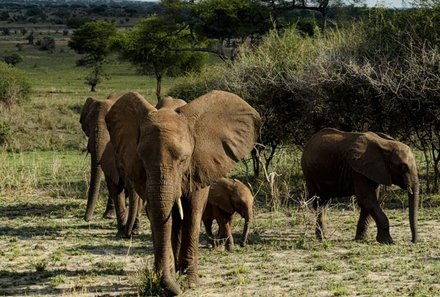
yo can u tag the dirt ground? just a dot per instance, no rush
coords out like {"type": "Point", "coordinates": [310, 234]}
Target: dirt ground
{"type": "Point", "coordinates": [46, 249]}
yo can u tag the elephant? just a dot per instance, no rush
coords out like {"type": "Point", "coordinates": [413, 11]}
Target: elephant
{"type": "Point", "coordinates": [339, 164]}
{"type": "Point", "coordinates": [171, 156]}
{"type": "Point", "coordinates": [103, 160]}
{"type": "Point", "coordinates": [226, 197]}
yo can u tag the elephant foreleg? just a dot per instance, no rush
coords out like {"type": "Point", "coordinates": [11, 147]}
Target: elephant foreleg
{"type": "Point", "coordinates": [365, 191]}
{"type": "Point", "coordinates": [133, 211]}
{"type": "Point", "coordinates": [230, 238]}
{"type": "Point", "coordinates": [118, 197]}
{"type": "Point", "coordinates": [109, 212]}
{"type": "Point", "coordinates": [362, 225]}
{"type": "Point", "coordinates": [321, 205]}
{"type": "Point", "coordinates": [193, 210]}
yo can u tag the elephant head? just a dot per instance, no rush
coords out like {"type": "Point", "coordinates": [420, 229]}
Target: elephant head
{"type": "Point", "coordinates": [102, 154]}
{"type": "Point", "coordinates": [387, 161]}
{"type": "Point", "coordinates": [172, 153]}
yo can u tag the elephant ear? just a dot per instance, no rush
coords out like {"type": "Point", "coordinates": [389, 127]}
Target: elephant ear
{"type": "Point", "coordinates": [123, 122]}
{"type": "Point", "coordinates": [86, 112]}
{"type": "Point", "coordinates": [367, 157]}
{"type": "Point", "coordinates": [225, 129]}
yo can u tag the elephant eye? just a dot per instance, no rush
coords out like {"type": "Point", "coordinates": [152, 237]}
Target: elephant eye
{"type": "Point", "coordinates": [405, 167]}
{"type": "Point", "coordinates": [183, 160]}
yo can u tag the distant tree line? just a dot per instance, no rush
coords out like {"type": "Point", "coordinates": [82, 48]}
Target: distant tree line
{"type": "Point", "coordinates": [75, 13]}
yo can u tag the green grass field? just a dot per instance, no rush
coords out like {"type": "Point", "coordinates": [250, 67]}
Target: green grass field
{"type": "Point", "coordinates": [46, 249]}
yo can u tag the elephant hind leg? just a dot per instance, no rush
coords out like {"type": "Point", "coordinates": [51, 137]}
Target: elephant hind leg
{"type": "Point", "coordinates": [321, 205]}
{"type": "Point", "coordinates": [207, 222]}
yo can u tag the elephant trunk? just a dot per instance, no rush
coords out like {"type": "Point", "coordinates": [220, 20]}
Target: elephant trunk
{"type": "Point", "coordinates": [413, 198]}
{"type": "Point", "coordinates": [159, 209]}
{"type": "Point", "coordinates": [95, 182]}
{"type": "Point", "coordinates": [248, 216]}
{"type": "Point", "coordinates": [135, 205]}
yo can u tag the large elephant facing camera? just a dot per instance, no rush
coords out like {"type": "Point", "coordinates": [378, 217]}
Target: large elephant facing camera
{"type": "Point", "coordinates": [103, 161]}
{"type": "Point", "coordinates": [338, 164]}
{"type": "Point", "coordinates": [172, 155]}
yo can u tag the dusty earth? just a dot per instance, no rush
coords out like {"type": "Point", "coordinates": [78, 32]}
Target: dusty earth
{"type": "Point", "coordinates": [46, 249]}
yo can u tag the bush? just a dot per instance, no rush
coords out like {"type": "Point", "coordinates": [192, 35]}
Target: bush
{"type": "Point", "coordinates": [13, 85]}
{"type": "Point", "coordinates": [46, 43]}
{"type": "Point", "coordinates": [13, 59]}
{"type": "Point", "coordinates": [196, 84]}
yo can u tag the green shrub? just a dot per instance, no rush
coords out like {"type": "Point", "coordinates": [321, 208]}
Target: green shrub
{"type": "Point", "coordinates": [46, 43]}
{"type": "Point", "coordinates": [13, 59]}
{"type": "Point", "coordinates": [196, 84]}
{"type": "Point", "coordinates": [13, 85]}
{"type": "Point", "coordinates": [148, 283]}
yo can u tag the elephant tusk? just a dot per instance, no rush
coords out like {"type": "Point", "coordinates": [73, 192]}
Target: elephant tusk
{"type": "Point", "coordinates": [179, 206]}
{"type": "Point", "coordinates": [409, 189]}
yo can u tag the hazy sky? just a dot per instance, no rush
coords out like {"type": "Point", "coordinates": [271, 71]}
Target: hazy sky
{"type": "Point", "coordinates": [388, 3]}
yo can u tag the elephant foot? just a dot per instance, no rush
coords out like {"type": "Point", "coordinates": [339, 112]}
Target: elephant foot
{"type": "Point", "coordinates": [109, 213]}
{"type": "Point", "coordinates": [361, 236]}
{"type": "Point", "coordinates": [230, 247]}
{"type": "Point", "coordinates": [170, 287]}
{"type": "Point", "coordinates": [384, 239]}
{"type": "Point", "coordinates": [191, 281]}
{"type": "Point", "coordinates": [123, 233]}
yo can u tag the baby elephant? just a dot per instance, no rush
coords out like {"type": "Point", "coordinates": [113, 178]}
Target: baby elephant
{"type": "Point", "coordinates": [226, 197]}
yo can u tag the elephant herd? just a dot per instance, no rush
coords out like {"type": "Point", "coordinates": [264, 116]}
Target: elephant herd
{"type": "Point", "coordinates": [171, 161]}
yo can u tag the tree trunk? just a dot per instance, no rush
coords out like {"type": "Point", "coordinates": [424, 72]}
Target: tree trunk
{"type": "Point", "coordinates": [158, 87]}
{"type": "Point", "coordinates": [255, 162]}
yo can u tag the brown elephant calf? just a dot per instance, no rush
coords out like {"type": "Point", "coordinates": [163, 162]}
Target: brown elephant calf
{"type": "Point", "coordinates": [226, 197]}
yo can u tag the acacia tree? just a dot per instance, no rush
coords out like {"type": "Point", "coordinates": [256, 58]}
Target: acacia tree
{"type": "Point", "coordinates": [219, 27]}
{"type": "Point", "coordinates": [93, 40]}
{"type": "Point", "coordinates": [149, 47]}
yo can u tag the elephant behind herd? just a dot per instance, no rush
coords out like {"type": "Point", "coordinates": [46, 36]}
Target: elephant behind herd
{"type": "Point", "coordinates": [165, 157]}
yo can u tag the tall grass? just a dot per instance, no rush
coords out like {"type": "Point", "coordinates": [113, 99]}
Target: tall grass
{"type": "Point", "coordinates": [57, 174]}
{"type": "Point", "coordinates": [50, 119]}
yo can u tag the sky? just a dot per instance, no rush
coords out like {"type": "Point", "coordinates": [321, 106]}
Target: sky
{"type": "Point", "coordinates": [388, 3]}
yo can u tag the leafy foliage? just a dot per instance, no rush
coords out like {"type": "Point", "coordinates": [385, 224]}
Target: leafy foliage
{"type": "Point", "coordinates": [153, 47]}
{"type": "Point", "coordinates": [46, 43]}
{"type": "Point", "coordinates": [13, 59]}
{"type": "Point", "coordinates": [93, 40]}
{"type": "Point", "coordinates": [13, 85]}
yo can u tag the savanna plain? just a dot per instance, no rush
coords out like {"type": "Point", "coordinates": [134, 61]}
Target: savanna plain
{"type": "Point", "coordinates": [47, 249]}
